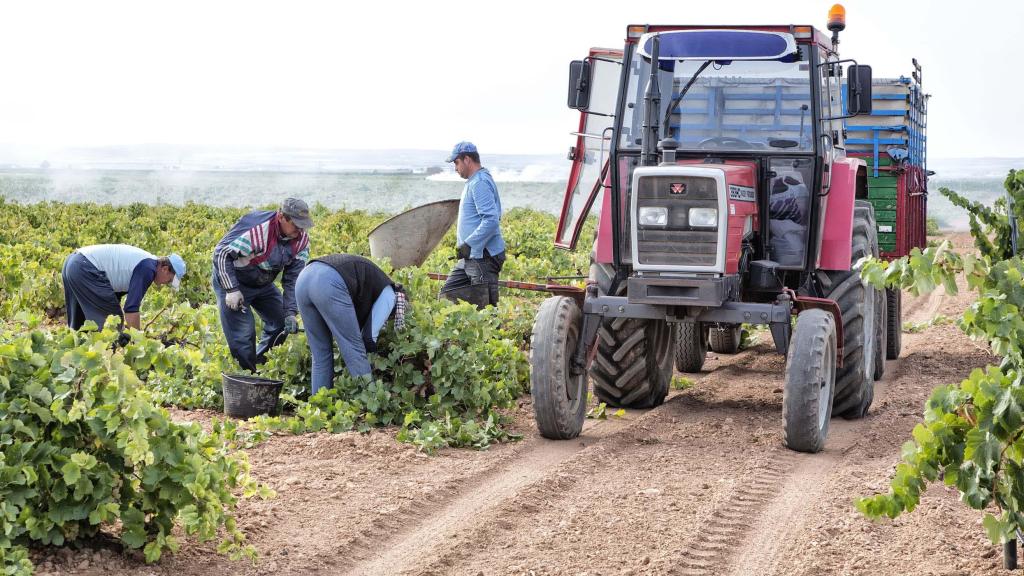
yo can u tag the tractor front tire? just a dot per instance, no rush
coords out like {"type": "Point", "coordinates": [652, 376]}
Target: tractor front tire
{"type": "Point", "coordinates": [894, 322]}
{"type": "Point", "coordinates": [632, 366]}
{"type": "Point", "coordinates": [855, 380]}
{"type": "Point", "coordinates": [691, 346]}
{"type": "Point", "coordinates": [559, 396]}
{"type": "Point", "coordinates": [725, 338]}
{"type": "Point", "coordinates": [810, 381]}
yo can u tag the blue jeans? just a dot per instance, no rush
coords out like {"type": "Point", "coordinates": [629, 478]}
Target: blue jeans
{"type": "Point", "coordinates": [327, 312]}
{"type": "Point", "coordinates": [240, 326]}
{"type": "Point", "coordinates": [88, 294]}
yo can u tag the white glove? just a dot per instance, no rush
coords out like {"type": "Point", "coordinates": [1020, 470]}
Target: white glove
{"type": "Point", "coordinates": [234, 300]}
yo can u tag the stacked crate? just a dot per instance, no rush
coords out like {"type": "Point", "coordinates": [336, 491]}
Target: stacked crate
{"type": "Point", "coordinates": [892, 140]}
{"type": "Point", "coordinates": [883, 193]}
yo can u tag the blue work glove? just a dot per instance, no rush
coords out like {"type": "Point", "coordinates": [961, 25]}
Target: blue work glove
{"type": "Point", "coordinates": [291, 325]}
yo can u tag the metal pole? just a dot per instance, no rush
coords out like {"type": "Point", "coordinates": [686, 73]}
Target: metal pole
{"type": "Point", "coordinates": [652, 105]}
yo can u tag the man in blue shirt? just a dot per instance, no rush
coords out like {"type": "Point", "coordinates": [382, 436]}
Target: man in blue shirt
{"type": "Point", "coordinates": [481, 248]}
{"type": "Point", "coordinates": [96, 277]}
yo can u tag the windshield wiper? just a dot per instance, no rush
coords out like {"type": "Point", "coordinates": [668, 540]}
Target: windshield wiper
{"type": "Point", "coordinates": [675, 101]}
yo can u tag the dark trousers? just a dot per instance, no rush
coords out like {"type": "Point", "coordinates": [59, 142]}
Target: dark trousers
{"type": "Point", "coordinates": [88, 294]}
{"type": "Point", "coordinates": [240, 325]}
{"type": "Point", "coordinates": [460, 287]}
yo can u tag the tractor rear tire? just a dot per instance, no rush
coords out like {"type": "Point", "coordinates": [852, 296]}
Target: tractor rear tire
{"type": "Point", "coordinates": [894, 320]}
{"type": "Point", "coordinates": [810, 381]}
{"type": "Point", "coordinates": [559, 397]}
{"type": "Point", "coordinates": [691, 346]}
{"type": "Point", "coordinates": [855, 380]}
{"type": "Point", "coordinates": [725, 338]}
{"type": "Point", "coordinates": [632, 366]}
{"type": "Point", "coordinates": [881, 334]}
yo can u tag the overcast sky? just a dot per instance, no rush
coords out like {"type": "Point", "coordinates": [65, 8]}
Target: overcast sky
{"type": "Point", "coordinates": [386, 74]}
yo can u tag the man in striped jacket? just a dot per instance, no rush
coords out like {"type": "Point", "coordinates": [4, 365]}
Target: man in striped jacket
{"type": "Point", "coordinates": [246, 262]}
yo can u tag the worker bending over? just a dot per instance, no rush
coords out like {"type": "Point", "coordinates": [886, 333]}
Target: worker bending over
{"type": "Point", "coordinates": [346, 299]}
{"type": "Point", "coordinates": [97, 277]}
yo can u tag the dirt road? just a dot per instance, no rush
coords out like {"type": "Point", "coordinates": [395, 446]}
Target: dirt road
{"type": "Point", "coordinates": [700, 485]}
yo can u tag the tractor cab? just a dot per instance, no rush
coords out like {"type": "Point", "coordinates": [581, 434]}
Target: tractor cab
{"type": "Point", "coordinates": [757, 110]}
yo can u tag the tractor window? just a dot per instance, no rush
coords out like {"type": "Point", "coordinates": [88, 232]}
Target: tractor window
{"type": "Point", "coordinates": [592, 150]}
{"type": "Point", "coordinates": [762, 105]}
{"type": "Point", "coordinates": [789, 209]}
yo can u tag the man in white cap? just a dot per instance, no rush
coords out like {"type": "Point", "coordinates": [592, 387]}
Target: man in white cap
{"type": "Point", "coordinates": [262, 245]}
{"type": "Point", "coordinates": [97, 277]}
{"type": "Point", "coordinates": [480, 246]}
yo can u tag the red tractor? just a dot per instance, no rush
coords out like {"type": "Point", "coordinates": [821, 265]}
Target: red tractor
{"type": "Point", "coordinates": [727, 198]}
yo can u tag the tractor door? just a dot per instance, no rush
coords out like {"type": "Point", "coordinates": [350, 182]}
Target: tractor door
{"type": "Point", "coordinates": [593, 143]}
{"type": "Point", "coordinates": [830, 134]}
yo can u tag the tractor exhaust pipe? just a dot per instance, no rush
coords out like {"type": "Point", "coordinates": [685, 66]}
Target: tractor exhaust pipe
{"type": "Point", "coordinates": [652, 104]}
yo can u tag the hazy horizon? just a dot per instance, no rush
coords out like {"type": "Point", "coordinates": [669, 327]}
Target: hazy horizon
{"type": "Point", "coordinates": [197, 157]}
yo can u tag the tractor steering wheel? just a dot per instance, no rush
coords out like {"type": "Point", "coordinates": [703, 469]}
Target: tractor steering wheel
{"type": "Point", "coordinates": [725, 142]}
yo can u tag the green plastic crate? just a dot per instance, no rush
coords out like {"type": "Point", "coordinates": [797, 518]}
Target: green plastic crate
{"type": "Point", "coordinates": [885, 216]}
{"type": "Point", "coordinates": [887, 247]}
{"type": "Point", "coordinates": [882, 194]}
{"type": "Point", "coordinates": [882, 204]}
{"type": "Point", "coordinates": [882, 182]}
{"type": "Point", "coordinates": [887, 238]}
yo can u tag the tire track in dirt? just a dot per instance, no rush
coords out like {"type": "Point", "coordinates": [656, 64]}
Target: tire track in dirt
{"type": "Point", "coordinates": [786, 514]}
{"type": "Point", "coordinates": [399, 549]}
{"type": "Point", "coordinates": [747, 533]}
{"type": "Point", "coordinates": [800, 481]}
{"type": "Point", "coordinates": [712, 551]}
{"type": "Point", "coordinates": [727, 523]}
{"type": "Point", "coordinates": [492, 533]}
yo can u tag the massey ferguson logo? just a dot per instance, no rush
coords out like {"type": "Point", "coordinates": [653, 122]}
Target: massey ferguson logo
{"type": "Point", "coordinates": [677, 188]}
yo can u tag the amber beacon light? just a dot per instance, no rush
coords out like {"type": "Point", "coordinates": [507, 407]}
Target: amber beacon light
{"type": "Point", "coordinates": [836, 21]}
{"type": "Point", "coordinates": [837, 18]}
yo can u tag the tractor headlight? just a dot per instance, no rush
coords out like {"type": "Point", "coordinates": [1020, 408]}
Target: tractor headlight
{"type": "Point", "coordinates": [653, 216]}
{"type": "Point", "coordinates": [703, 217]}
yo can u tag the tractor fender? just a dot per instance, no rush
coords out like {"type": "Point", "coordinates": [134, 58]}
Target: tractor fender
{"type": "Point", "coordinates": [837, 226]}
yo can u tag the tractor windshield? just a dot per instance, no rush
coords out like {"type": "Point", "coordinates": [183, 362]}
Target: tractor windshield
{"type": "Point", "coordinates": [738, 105]}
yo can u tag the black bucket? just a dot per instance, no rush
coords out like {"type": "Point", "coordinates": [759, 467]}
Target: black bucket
{"type": "Point", "coordinates": [248, 396]}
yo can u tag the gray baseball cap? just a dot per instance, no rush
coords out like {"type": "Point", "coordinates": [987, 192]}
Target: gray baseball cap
{"type": "Point", "coordinates": [298, 212]}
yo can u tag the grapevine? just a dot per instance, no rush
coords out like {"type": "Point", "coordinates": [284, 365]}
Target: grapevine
{"type": "Point", "coordinates": [88, 447]}
{"type": "Point", "coordinates": [972, 436]}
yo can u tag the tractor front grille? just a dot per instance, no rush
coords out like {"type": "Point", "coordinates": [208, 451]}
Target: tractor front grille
{"type": "Point", "coordinates": [677, 243]}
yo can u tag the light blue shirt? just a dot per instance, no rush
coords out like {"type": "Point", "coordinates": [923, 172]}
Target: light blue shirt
{"type": "Point", "coordinates": [118, 261]}
{"type": "Point", "coordinates": [479, 212]}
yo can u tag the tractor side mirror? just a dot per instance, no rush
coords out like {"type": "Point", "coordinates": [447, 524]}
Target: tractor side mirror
{"type": "Point", "coordinates": [579, 84]}
{"type": "Point", "coordinates": [858, 89]}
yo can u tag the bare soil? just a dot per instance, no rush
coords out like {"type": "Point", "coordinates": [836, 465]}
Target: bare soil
{"type": "Point", "coordinates": [699, 485]}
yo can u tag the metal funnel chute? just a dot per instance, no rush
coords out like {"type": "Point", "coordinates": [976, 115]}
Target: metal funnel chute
{"type": "Point", "coordinates": [409, 238]}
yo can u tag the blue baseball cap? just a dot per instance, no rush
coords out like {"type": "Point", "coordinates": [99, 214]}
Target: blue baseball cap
{"type": "Point", "coordinates": [178, 265]}
{"type": "Point", "coordinates": [461, 148]}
